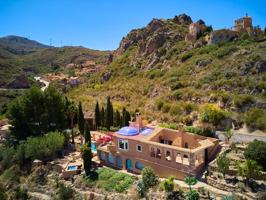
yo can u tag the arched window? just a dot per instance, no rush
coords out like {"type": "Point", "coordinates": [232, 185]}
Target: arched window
{"type": "Point", "coordinates": [168, 156]}
{"type": "Point", "coordinates": [178, 158]}
{"type": "Point", "coordinates": [102, 156]}
{"type": "Point", "coordinates": [139, 165]}
{"type": "Point", "coordinates": [110, 159]}
{"type": "Point", "coordinates": [119, 162]}
{"type": "Point", "coordinates": [186, 145]}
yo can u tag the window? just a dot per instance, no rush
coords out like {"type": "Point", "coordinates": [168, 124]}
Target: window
{"type": "Point", "coordinates": [139, 148]}
{"type": "Point", "coordinates": [123, 144]}
{"type": "Point", "coordinates": [186, 145]}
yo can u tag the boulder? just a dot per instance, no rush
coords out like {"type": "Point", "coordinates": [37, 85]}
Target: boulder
{"type": "Point", "coordinates": [106, 76]}
{"type": "Point", "coordinates": [224, 35]}
{"type": "Point", "coordinates": [154, 25]}
{"type": "Point", "coordinates": [203, 63]}
{"type": "Point", "coordinates": [154, 43]}
{"type": "Point", "coordinates": [260, 66]}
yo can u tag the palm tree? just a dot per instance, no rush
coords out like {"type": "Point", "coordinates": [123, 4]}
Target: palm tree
{"type": "Point", "coordinates": [190, 180]}
{"type": "Point", "coordinates": [72, 111]}
{"type": "Point", "coordinates": [228, 134]}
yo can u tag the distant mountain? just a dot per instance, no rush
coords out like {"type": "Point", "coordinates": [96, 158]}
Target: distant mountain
{"type": "Point", "coordinates": [20, 45]}
{"type": "Point", "coordinates": [21, 56]}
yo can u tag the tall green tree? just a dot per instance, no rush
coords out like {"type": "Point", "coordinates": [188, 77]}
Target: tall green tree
{"type": "Point", "coordinates": [127, 118]}
{"type": "Point", "coordinates": [123, 117]}
{"type": "Point", "coordinates": [117, 119]}
{"type": "Point", "coordinates": [109, 114]}
{"type": "Point", "coordinates": [223, 164]}
{"type": "Point", "coordinates": [102, 117]}
{"type": "Point", "coordinates": [112, 114]}
{"type": "Point", "coordinates": [192, 194]}
{"type": "Point", "coordinates": [87, 134]}
{"type": "Point", "coordinates": [87, 157]}
{"type": "Point", "coordinates": [81, 119]}
{"type": "Point", "coordinates": [55, 106]}
{"type": "Point", "coordinates": [97, 115]}
{"type": "Point", "coordinates": [37, 112]}
{"type": "Point", "coordinates": [72, 111]}
{"type": "Point", "coordinates": [249, 169]}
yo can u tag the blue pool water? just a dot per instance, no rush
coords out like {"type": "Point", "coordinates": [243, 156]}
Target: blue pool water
{"type": "Point", "coordinates": [146, 131]}
{"type": "Point", "coordinates": [93, 148]}
{"type": "Point", "coordinates": [72, 167]}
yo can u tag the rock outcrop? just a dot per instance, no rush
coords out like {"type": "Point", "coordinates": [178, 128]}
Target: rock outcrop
{"type": "Point", "coordinates": [224, 35]}
{"type": "Point", "coordinates": [19, 82]}
{"type": "Point", "coordinates": [182, 19]}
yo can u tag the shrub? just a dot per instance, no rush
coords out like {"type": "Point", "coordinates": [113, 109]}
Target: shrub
{"type": "Point", "coordinates": [212, 114]}
{"type": "Point", "coordinates": [224, 51]}
{"type": "Point", "coordinates": [65, 192]}
{"type": "Point", "coordinates": [159, 104]}
{"type": "Point", "coordinates": [256, 150]}
{"type": "Point", "coordinates": [171, 126]}
{"type": "Point", "coordinates": [21, 193]}
{"type": "Point", "coordinates": [255, 118]}
{"type": "Point", "coordinates": [193, 195]}
{"type": "Point", "coordinates": [241, 100]}
{"type": "Point", "coordinates": [175, 110]}
{"type": "Point", "coordinates": [166, 107]}
{"type": "Point", "coordinates": [149, 178]}
{"type": "Point", "coordinates": [223, 164]}
{"type": "Point", "coordinates": [168, 184]}
{"type": "Point", "coordinates": [44, 146]}
{"type": "Point", "coordinates": [186, 56]}
{"type": "Point", "coordinates": [177, 95]}
{"type": "Point", "coordinates": [3, 195]}
{"type": "Point", "coordinates": [141, 188]}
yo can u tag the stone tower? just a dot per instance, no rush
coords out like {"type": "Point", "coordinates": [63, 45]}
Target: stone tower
{"type": "Point", "coordinates": [244, 24]}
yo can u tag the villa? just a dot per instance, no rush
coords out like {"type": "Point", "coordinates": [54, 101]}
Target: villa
{"type": "Point", "coordinates": [168, 152]}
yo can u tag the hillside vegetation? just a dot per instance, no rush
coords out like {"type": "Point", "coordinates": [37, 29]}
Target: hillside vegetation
{"type": "Point", "coordinates": [168, 79]}
{"type": "Point", "coordinates": [21, 56]}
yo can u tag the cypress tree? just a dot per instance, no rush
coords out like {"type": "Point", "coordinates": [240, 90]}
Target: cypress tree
{"type": "Point", "coordinates": [87, 134]}
{"type": "Point", "coordinates": [103, 117]}
{"type": "Point", "coordinates": [87, 156]}
{"type": "Point", "coordinates": [108, 114]}
{"type": "Point", "coordinates": [81, 119]}
{"type": "Point", "coordinates": [117, 119]}
{"type": "Point", "coordinates": [112, 114]}
{"type": "Point", "coordinates": [123, 117]}
{"type": "Point", "coordinates": [97, 115]}
{"type": "Point", "coordinates": [127, 118]}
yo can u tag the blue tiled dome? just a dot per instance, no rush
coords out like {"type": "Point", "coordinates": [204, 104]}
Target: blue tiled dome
{"type": "Point", "coordinates": [128, 131]}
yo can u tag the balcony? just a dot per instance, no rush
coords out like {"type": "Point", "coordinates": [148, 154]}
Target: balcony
{"type": "Point", "coordinates": [111, 147]}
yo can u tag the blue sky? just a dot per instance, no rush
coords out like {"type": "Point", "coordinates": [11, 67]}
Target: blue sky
{"type": "Point", "coordinates": [100, 24]}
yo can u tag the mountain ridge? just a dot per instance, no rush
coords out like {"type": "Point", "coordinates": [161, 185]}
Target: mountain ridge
{"type": "Point", "coordinates": [171, 77]}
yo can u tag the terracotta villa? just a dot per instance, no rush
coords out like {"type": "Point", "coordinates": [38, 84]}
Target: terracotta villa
{"type": "Point", "coordinates": [168, 152]}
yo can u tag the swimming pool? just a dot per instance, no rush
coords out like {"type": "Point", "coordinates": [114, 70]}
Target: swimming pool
{"type": "Point", "coordinates": [71, 167]}
{"type": "Point", "coordinates": [93, 148]}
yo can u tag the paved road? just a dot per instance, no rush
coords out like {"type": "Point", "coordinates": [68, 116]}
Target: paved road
{"type": "Point", "coordinates": [46, 83]}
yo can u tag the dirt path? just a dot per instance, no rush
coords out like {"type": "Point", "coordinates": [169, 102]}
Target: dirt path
{"type": "Point", "coordinates": [40, 196]}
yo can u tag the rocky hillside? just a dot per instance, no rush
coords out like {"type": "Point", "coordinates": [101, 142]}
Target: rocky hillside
{"type": "Point", "coordinates": [20, 57]}
{"type": "Point", "coordinates": [168, 78]}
